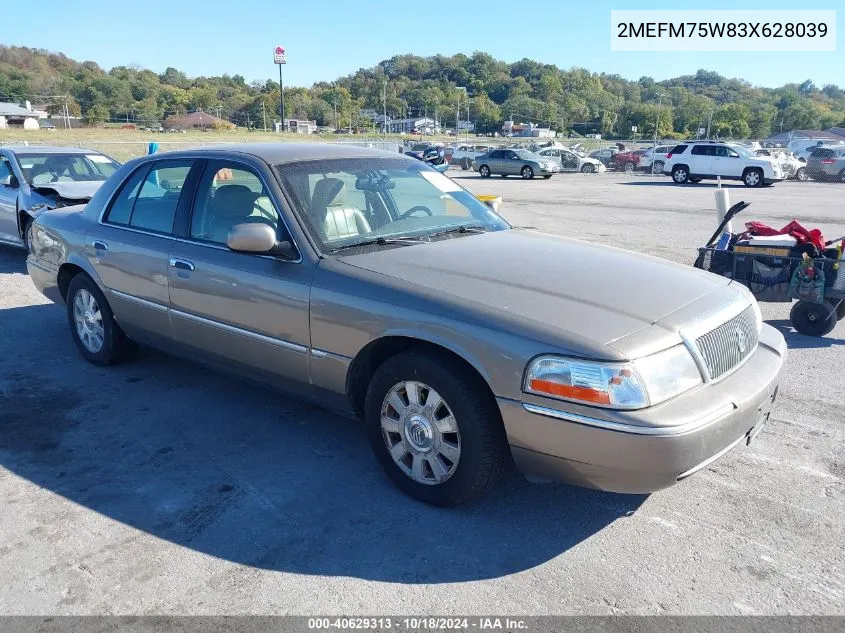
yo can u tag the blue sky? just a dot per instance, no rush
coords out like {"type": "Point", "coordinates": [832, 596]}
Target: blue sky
{"type": "Point", "coordinates": [328, 39]}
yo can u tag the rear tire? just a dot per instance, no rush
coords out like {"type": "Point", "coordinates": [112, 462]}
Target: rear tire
{"type": "Point", "coordinates": [527, 173]}
{"type": "Point", "coordinates": [680, 175]}
{"type": "Point", "coordinates": [628, 168]}
{"type": "Point", "coordinates": [841, 177]}
{"type": "Point", "coordinates": [484, 171]}
{"type": "Point", "coordinates": [801, 174]}
{"type": "Point", "coordinates": [465, 164]}
{"type": "Point", "coordinates": [753, 177]}
{"type": "Point", "coordinates": [26, 225]}
{"type": "Point", "coordinates": [813, 319]}
{"type": "Point", "coordinates": [93, 328]}
{"type": "Point", "coordinates": [588, 168]}
{"type": "Point", "coordinates": [547, 177]}
{"type": "Point", "coordinates": [406, 433]}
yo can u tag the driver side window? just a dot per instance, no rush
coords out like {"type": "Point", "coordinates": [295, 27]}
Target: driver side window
{"type": "Point", "coordinates": [229, 194]}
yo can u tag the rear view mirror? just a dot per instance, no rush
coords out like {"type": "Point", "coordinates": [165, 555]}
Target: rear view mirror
{"type": "Point", "coordinates": [259, 239]}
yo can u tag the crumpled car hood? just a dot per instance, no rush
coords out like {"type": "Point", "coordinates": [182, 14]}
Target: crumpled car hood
{"type": "Point", "coordinates": [83, 190]}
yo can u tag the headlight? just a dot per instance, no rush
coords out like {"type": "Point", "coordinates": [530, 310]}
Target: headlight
{"type": "Point", "coordinates": [635, 385]}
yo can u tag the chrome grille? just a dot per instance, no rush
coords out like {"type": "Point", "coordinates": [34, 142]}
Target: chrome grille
{"type": "Point", "coordinates": [726, 347]}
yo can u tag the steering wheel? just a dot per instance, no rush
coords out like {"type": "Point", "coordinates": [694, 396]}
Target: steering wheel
{"type": "Point", "coordinates": [419, 207]}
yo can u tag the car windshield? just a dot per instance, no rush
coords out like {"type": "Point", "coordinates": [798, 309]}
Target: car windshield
{"type": "Point", "coordinates": [346, 202]}
{"type": "Point", "coordinates": [43, 169]}
{"type": "Point", "coordinates": [744, 152]}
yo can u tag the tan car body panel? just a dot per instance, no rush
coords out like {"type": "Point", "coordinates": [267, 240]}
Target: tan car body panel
{"type": "Point", "coordinates": [497, 300]}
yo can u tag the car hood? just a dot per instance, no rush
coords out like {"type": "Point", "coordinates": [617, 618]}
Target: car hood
{"type": "Point", "coordinates": [552, 285]}
{"type": "Point", "coordinates": [83, 190]}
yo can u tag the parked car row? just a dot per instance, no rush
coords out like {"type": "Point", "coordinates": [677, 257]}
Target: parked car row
{"type": "Point", "coordinates": [370, 284]}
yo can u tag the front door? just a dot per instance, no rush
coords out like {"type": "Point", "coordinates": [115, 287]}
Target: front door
{"type": "Point", "coordinates": [129, 250]}
{"type": "Point", "coordinates": [246, 311]}
{"type": "Point", "coordinates": [511, 163]}
{"type": "Point", "coordinates": [568, 161]}
{"type": "Point", "coordinates": [8, 203]}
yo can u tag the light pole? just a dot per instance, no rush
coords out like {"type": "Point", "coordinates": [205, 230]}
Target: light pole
{"type": "Point", "coordinates": [709, 121]}
{"type": "Point", "coordinates": [458, 110]}
{"type": "Point", "coordinates": [657, 120]}
{"type": "Point", "coordinates": [384, 105]}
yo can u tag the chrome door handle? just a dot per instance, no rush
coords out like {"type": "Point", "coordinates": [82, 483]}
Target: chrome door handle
{"type": "Point", "coordinates": [181, 264]}
{"type": "Point", "coordinates": [100, 246]}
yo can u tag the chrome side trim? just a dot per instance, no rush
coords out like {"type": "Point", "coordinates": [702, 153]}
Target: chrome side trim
{"type": "Point", "coordinates": [319, 353]}
{"type": "Point", "coordinates": [141, 302]}
{"type": "Point", "coordinates": [712, 458]}
{"type": "Point", "coordinates": [295, 347]}
{"type": "Point", "coordinates": [670, 431]}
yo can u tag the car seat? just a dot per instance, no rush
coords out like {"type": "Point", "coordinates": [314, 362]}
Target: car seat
{"type": "Point", "coordinates": [231, 205]}
{"type": "Point", "coordinates": [331, 216]}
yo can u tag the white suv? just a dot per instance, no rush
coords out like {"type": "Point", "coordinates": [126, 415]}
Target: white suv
{"type": "Point", "coordinates": [696, 160]}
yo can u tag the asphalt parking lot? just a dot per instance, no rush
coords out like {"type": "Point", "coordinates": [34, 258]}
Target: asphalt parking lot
{"type": "Point", "coordinates": [159, 487]}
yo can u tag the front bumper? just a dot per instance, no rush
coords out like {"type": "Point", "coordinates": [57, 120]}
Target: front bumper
{"type": "Point", "coordinates": [647, 450]}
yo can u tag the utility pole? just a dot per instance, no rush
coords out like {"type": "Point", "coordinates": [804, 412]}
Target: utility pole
{"type": "Point", "coordinates": [657, 121]}
{"type": "Point", "coordinates": [336, 126]}
{"type": "Point", "coordinates": [264, 115]}
{"type": "Point", "coordinates": [384, 105]}
{"type": "Point", "coordinates": [709, 121]}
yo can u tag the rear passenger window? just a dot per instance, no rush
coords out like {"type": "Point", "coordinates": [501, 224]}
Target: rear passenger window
{"type": "Point", "coordinates": [148, 202]}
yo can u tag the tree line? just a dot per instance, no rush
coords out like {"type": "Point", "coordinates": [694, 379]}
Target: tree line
{"type": "Point", "coordinates": [473, 87]}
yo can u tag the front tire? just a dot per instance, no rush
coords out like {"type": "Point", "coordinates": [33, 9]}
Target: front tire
{"type": "Point", "coordinates": [753, 178]}
{"type": "Point", "coordinates": [680, 175]}
{"type": "Point", "coordinates": [813, 319]}
{"type": "Point", "coordinates": [527, 173]}
{"type": "Point", "coordinates": [95, 332]}
{"type": "Point", "coordinates": [434, 428]}
{"type": "Point", "coordinates": [801, 174]}
{"type": "Point", "coordinates": [484, 171]}
{"type": "Point", "coordinates": [628, 168]}
{"type": "Point", "coordinates": [841, 177]}
{"type": "Point", "coordinates": [588, 168]}
{"type": "Point", "coordinates": [26, 225]}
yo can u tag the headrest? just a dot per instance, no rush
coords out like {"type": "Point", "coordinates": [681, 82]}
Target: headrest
{"type": "Point", "coordinates": [234, 201]}
{"type": "Point", "coordinates": [328, 191]}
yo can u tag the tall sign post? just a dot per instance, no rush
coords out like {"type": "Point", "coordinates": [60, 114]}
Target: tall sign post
{"type": "Point", "coordinates": [280, 59]}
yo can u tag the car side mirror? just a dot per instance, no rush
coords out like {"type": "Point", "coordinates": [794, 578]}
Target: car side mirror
{"type": "Point", "coordinates": [10, 181]}
{"type": "Point", "coordinates": [259, 239]}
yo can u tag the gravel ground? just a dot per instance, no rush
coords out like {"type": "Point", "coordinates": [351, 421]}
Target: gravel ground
{"type": "Point", "coordinates": [159, 487]}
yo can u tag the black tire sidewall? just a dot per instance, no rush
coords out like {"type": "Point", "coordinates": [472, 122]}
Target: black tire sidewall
{"type": "Point", "coordinates": [483, 444]}
{"type": "Point", "coordinates": [527, 173]}
{"type": "Point", "coordinates": [823, 325]}
{"type": "Point", "coordinates": [108, 353]}
{"type": "Point", "coordinates": [484, 171]}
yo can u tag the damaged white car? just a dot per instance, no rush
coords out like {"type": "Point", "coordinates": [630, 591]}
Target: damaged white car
{"type": "Point", "coordinates": [34, 178]}
{"type": "Point", "coordinates": [793, 168]}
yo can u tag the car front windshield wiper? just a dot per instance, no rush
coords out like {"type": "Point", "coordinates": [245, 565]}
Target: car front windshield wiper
{"type": "Point", "coordinates": [463, 228]}
{"type": "Point", "coordinates": [401, 240]}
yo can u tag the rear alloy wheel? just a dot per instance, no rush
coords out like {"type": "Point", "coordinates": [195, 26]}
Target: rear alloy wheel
{"type": "Point", "coordinates": [527, 173]}
{"type": "Point", "coordinates": [680, 175]}
{"type": "Point", "coordinates": [801, 174]}
{"type": "Point", "coordinates": [813, 319]}
{"type": "Point", "coordinates": [94, 330]}
{"type": "Point", "coordinates": [629, 168]}
{"type": "Point", "coordinates": [753, 178]}
{"type": "Point", "coordinates": [588, 168]}
{"type": "Point", "coordinates": [434, 428]}
{"type": "Point", "coordinates": [484, 171]}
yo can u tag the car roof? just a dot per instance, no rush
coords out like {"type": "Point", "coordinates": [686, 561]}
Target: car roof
{"type": "Point", "coordinates": [48, 149]}
{"type": "Point", "coordinates": [281, 153]}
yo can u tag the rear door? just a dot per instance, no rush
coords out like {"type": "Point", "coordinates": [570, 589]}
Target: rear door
{"type": "Point", "coordinates": [129, 248]}
{"type": "Point", "coordinates": [568, 161]}
{"type": "Point", "coordinates": [701, 160]}
{"type": "Point", "coordinates": [246, 311]}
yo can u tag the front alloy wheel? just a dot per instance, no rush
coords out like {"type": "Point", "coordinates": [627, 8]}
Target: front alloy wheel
{"type": "Point", "coordinates": [484, 171]}
{"type": "Point", "coordinates": [753, 178]}
{"type": "Point", "coordinates": [420, 432]}
{"type": "Point", "coordinates": [527, 173]}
